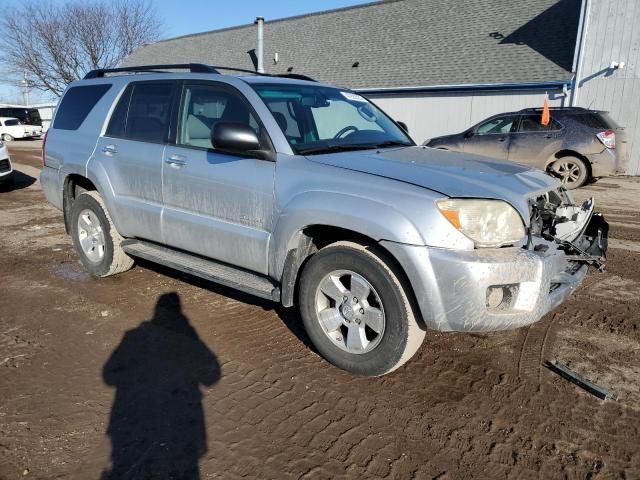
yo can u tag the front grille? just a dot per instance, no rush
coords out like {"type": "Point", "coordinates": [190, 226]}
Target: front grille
{"type": "Point", "coordinates": [4, 165]}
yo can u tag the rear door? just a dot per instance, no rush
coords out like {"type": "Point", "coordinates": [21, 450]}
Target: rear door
{"type": "Point", "coordinates": [131, 154]}
{"type": "Point", "coordinates": [491, 138]}
{"type": "Point", "coordinates": [217, 204]}
{"type": "Point", "coordinates": [533, 143]}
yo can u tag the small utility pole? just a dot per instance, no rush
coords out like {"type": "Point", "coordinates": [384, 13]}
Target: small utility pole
{"type": "Point", "coordinates": [260, 22]}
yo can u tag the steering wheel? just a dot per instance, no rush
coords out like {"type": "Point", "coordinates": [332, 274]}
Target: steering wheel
{"type": "Point", "coordinates": [346, 129]}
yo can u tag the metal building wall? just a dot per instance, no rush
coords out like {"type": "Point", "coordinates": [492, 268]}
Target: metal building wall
{"type": "Point", "coordinates": [430, 115]}
{"type": "Point", "coordinates": [613, 34]}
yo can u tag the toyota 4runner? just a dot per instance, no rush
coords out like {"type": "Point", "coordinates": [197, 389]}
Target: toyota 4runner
{"type": "Point", "coordinates": [310, 195]}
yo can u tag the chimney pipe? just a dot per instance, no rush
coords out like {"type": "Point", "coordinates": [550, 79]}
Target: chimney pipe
{"type": "Point", "coordinates": [260, 22]}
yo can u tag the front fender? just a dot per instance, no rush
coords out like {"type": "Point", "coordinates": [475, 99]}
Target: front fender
{"type": "Point", "coordinates": [368, 217]}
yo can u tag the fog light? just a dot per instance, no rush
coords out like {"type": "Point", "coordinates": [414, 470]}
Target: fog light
{"type": "Point", "coordinates": [501, 297]}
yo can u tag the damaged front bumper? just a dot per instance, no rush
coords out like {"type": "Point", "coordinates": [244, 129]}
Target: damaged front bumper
{"type": "Point", "coordinates": [502, 288]}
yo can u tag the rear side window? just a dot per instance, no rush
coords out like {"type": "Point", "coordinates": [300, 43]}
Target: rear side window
{"type": "Point", "coordinates": [118, 122]}
{"type": "Point", "coordinates": [11, 123]}
{"type": "Point", "coordinates": [531, 123]}
{"type": "Point", "coordinates": [149, 112]}
{"type": "Point", "coordinates": [76, 105]}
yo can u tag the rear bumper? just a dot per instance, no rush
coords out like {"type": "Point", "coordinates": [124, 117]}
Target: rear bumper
{"type": "Point", "coordinates": [50, 184]}
{"type": "Point", "coordinates": [608, 162]}
{"type": "Point", "coordinates": [452, 287]}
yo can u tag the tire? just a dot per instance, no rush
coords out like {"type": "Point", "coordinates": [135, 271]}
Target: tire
{"type": "Point", "coordinates": [7, 138]}
{"type": "Point", "coordinates": [573, 170]}
{"type": "Point", "coordinates": [106, 257]}
{"type": "Point", "coordinates": [375, 353]}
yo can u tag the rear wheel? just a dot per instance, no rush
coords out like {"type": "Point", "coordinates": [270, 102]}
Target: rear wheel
{"type": "Point", "coordinates": [7, 138]}
{"type": "Point", "coordinates": [573, 171]}
{"type": "Point", "coordinates": [95, 238]}
{"type": "Point", "coordinates": [356, 311]}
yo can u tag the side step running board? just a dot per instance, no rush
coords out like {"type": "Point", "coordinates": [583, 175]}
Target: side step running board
{"type": "Point", "coordinates": [223, 274]}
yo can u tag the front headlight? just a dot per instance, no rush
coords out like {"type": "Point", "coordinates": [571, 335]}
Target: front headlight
{"type": "Point", "coordinates": [489, 223]}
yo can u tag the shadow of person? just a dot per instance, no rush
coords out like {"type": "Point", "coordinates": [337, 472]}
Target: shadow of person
{"type": "Point", "coordinates": [157, 426]}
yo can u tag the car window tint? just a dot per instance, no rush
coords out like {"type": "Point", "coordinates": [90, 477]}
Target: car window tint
{"type": "Point", "coordinates": [531, 123]}
{"type": "Point", "coordinates": [284, 113]}
{"type": "Point", "coordinates": [205, 105]}
{"type": "Point", "coordinates": [11, 123]}
{"type": "Point", "coordinates": [148, 117]}
{"type": "Point", "coordinates": [496, 125]}
{"type": "Point", "coordinates": [590, 120]}
{"type": "Point", "coordinates": [118, 122]}
{"type": "Point", "coordinates": [76, 105]}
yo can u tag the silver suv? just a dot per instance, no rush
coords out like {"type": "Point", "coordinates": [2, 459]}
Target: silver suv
{"type": "Point", "coordinates": [310, 195]}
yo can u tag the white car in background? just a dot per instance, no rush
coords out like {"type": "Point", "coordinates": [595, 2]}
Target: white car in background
{"type": "Point", "coordinates": [11, 128]}
{"type": "Point", "coordinates": [6, 169]}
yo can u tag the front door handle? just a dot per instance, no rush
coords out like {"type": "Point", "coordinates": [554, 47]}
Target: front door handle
{"type": "Point", "coordinates": [176, 160]}
{"type": "Point", "coordinates": [502, 139]}
{"type": "Point", "coordinates": [109, 149]}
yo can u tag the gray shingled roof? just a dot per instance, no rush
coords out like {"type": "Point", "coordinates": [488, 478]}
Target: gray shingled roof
{"type": "Point", "coordinates": [399, 43]}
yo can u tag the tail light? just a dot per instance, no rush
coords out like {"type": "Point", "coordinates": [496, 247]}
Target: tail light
{"type": "Point", "coordinates": [608, 138]}
{"type": "Point", "coordinates": [44, 143]}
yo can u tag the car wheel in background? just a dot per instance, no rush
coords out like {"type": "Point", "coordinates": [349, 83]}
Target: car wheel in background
{"type": "Point", "coordinates": [356, 311]}
{"type": "Point", "coordinates": [572, 170]}
{"type": "Point", "coordinates": [6, 137]}
{"type": "Point", "coordinates": [95, 238]}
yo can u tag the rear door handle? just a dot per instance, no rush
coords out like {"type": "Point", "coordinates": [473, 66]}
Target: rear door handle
{"type": "Point", "coordinates": [110, 149]}
{"type": "Point", "coordinates": [176, 160]}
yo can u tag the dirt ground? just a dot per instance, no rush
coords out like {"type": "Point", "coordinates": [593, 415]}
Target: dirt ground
{"type": "Point", "coordinates": [155, 374]}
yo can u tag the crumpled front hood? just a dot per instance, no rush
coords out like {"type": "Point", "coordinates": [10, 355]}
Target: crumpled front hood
{"type": "Point", "coordinates": [450, 173]}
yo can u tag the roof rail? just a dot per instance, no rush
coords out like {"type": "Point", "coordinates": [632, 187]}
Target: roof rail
{"type": "Point", "coordinates": [539, 109]}
{"type": "Point", "coordinates": [192, 67]}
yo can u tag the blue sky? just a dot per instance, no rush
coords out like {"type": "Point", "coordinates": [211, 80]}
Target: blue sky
{"type": "Point", "coordinates": [182, 17]}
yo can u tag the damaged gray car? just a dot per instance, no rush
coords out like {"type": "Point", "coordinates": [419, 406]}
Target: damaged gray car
{"type": "Point", "coordinates": [309, 195]}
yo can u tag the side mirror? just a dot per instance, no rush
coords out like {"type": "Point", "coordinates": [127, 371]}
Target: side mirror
{"type": "Point", "coordinates": [403, 126]}
{"type": "Point", "coordinates": [237, 138]}
{"type": "Point", "coordinates": [469, 134]}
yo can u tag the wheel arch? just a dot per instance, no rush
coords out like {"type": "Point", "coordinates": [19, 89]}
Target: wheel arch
{"type": "Point", "coordinates": [312, 238]}
{"type": "Point", "coordinates": [568, 153]}
{"type": "Point", "coordinates": [74, 184]}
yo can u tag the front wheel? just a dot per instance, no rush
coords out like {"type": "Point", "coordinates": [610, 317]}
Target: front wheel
{"type": "Point", "coordinates": [573, 171]}
{"type": "Point", "coordinates": [95, 238]}
{"type": "Point", "coordinates": [356, 311]}
{"type": "Point", "coordinates": [7, 138]}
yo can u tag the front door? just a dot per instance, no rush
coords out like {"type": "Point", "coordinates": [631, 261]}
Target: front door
{"type": "Point", "coordinates": [218, 205]}
{"type": "Point", "coordinates": [491, 138]}
{"type": "Point", "coordinates": [130, 153]}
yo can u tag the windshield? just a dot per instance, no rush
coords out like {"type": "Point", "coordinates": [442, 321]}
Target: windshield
{"type": "Point", "coordinates": [318, 119]}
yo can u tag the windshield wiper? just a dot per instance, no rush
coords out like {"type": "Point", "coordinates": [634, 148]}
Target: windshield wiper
{"type": "Point", "coordinates": [392, 143]}
{"type": "Point", "coordinates": [344, 147]}
{"type": "Point", "coordinates": [336, 148]}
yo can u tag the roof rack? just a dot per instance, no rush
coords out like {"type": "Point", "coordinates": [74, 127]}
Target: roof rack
{"type": "Point", "coordinates": [192, 67]}
{"type": "Point", "coordinates": [539, 109]}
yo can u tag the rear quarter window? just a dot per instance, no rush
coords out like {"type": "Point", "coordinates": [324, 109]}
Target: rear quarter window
{"type": "Point", "coordinates": [76, 105]}
{"type": "Point", "coordinates": [591, 120]}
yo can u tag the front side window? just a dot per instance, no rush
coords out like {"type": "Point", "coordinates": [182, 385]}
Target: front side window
{"type": "Point", "coordinates": [203, 106]}
{"type": "Point", "coordinates": [531, 123]}
{"type": "Point", "coordinates": [11, 123]}
{"type": "Point", "coordinates": [316, 119]}
{"type": "Point", "coordinates": [499, 125]}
